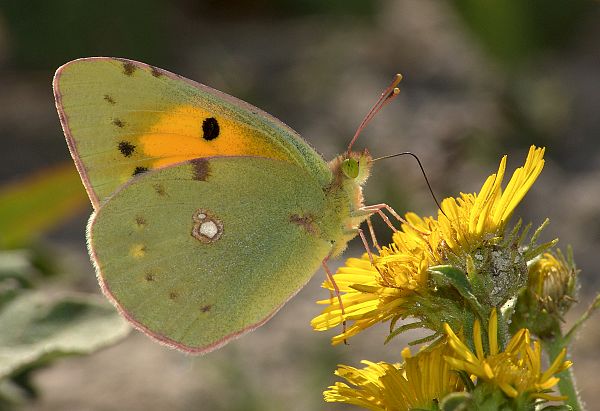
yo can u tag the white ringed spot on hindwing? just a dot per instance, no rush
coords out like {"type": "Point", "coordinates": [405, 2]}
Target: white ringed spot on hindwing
{"type": "Point", "coordinates": [207, 228]}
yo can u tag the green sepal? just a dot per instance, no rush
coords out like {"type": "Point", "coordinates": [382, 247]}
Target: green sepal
{"type": "Point", "coordinates": [451, 275]}
{"type": "Point", "coordinates": [469, 385]}
{"type": "Point", "coordinates": [426, 339]}
{"type": "Point", "coordinates": [531, 253]}
{"type": "Point", "coordinates": [533, 249]}
{"type": "Point", "coordinates": [457, 401]}
{"type": "Point", "coordinates": [528, 314]}
{"type": "Point", "coordinates": [447, 275]}
{"type": "Point", "coordinates": [399, 330]}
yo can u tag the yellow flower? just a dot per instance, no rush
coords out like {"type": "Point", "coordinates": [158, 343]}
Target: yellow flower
{"type": "Point", "coordinates": [516, 371]}
{"type": "Point", "coordinates": [473, 218]}
{"type": "Point", "coordinates": [365, 300]}
{"type": "Point", "coordinates": [552, 281]}
{"type": "Point", "coordinates": [399, 277]}
{"type": "Point", "coordinates": [419, 382]}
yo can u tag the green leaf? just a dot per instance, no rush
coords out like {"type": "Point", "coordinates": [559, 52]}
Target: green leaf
{"type": "Point", "coordinates": [11, 395]}
{"type": "Point", "coordinates": [34, 205]}
{"type": "Point", "coordinates": [37, 327]}
{"type": "Point", "coordinates": [16, 265]}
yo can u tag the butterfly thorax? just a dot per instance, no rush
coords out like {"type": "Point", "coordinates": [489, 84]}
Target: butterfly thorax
{"type": "Point", "coordinates": [346, 197]}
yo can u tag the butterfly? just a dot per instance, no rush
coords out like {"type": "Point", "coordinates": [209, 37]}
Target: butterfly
{"type": "Point", "coordinates": [209, 214]}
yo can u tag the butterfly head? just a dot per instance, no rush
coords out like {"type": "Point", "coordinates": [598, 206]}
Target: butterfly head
{"type": "Point", "coordinates": [355, 166]}
{"type": "Point", "coordinates": [350, 171]}
{"type": "Point", "coordinates": [351, 168]}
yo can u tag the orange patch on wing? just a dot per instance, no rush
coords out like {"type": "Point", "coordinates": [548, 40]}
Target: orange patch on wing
{"type": "Point", "coordinates": [178, 136]}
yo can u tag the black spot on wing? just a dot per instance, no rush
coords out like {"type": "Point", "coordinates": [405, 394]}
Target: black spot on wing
{"type": "Point", "coordinates": [128, 68]}
{"type": "Point", "coordinates": [206, 308]}
{"type": "Point", "coordinates": [307, 222]}
{"type": "Point", "coordinates": [201, 169]}
{"type": "Point", "coordinates": [109, 99]}
{"type": "Point", "coordinates": [155, 72]}
{"type": "Point", "coordinates": [140, 221]}
{"type": "Point", "coordinates": [126, 148]}
{"type": "Point", "coordinates": [160, 189]}
{"type": "Point", "coordinates": [139, 170]}
{"type": "Point", "coordinates": [119, 123]}
{"type": "Point", "coordinates": [210, 128]}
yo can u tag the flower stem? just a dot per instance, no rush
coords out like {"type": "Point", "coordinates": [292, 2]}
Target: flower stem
{"type": "Point", "coordinates": [566, 385]}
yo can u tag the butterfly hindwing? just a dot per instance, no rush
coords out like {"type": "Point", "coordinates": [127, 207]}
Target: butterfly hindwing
{"type": "Point", "coordinates": [200, 252]}
{"type": "Point", "coordinates": [123, 118]}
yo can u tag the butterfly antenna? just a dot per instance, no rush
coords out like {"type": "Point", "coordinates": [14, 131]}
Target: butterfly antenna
{"type": "Point", "coordinates": [413, 155]}
{"type": "Point", "coordinates": [390, 93]}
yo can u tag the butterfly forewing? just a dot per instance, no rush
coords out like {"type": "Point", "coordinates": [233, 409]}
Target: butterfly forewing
{"type": "Point", "coordinates": [123, 118]}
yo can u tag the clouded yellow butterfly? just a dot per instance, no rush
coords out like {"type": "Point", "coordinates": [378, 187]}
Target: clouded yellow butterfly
{"type": "Point", "coordinates": [209, 214]}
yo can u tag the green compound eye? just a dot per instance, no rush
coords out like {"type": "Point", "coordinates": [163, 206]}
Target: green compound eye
{"type": "Point", "coordinates": [350, 168]}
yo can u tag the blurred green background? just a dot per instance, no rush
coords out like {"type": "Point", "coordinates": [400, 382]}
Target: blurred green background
{"type": "Point", "coordinates": [482, 79]}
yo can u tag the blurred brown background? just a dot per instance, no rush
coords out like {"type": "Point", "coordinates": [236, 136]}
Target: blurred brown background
{"type": "Point", "coordinates": [482, 79]}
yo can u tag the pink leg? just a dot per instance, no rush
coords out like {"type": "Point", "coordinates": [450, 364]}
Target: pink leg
{"type": "Point", "coordinates": [372, 232]}
{"type": "Point", "coordinates": [364, 240]}
{"type": "Point", "coordinates": [377, 208]}
{"type": "Point", "coordinates": [337, 291]}
{"type": "Point", "coordinates": [372, 209]}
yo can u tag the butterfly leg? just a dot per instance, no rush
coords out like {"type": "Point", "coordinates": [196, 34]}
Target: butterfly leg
{"type": "Point", "coordinates": [372, 233]}
{"type": "Point", "coordinates": [366, 244]}
{"type": "Point", "coordinates": [369, 211]}
{"type": "Point", "coordinates": [336, 290]}
{"type": "Point", "coordinates": [378, 208]}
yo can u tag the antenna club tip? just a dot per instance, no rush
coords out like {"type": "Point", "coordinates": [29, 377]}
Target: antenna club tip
{"type": "Point", "coordinates": [387, 95]}
{"type": "Point", "coordinates": [397, 79]}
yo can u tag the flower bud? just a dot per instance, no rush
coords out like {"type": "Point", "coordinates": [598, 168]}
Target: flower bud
{"type": "Point", "coordinates": [552, 282]}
